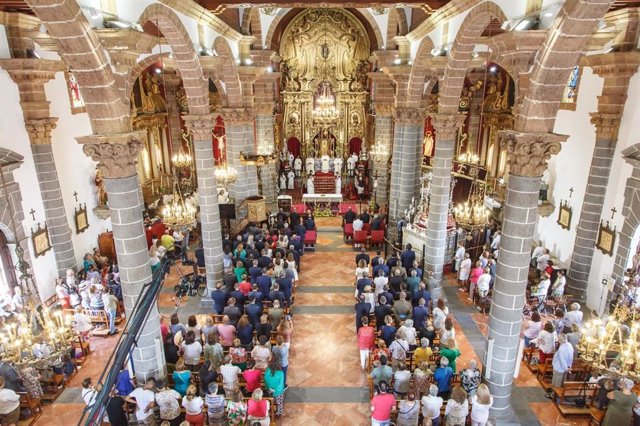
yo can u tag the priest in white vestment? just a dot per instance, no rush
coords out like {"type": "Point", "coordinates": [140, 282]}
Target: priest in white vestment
{"type": "Point", "coordinates": [310, 166]}
{"type": "Point", "coordinates": [297, 166]}
{"type": "Point", "coordinates": [338, 183]}
{"type": "Point", "coordinates": [291, 179]}
{"type": "Point", "coordinates": [283, 181]}
{"type": "Point", "coordinates": [310, 188]}
{"type": "Point", "coordinates": [337, 165]}
{"type": "Point", "coordinates": [324, 164]}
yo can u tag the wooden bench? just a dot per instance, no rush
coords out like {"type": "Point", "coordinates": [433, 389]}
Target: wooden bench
{"type": "Point", "coordinates": [544, 374]}
{"type": "Point", "coordinates": [34, 405]}
{"type": "Point", "coordinates": [569, 390]}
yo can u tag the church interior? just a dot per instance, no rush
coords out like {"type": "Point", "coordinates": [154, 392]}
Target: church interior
{"type": "Point", "coordinates": [187, 187]}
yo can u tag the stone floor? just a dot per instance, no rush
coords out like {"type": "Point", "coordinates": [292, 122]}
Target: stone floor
{"type": "Point", "coordinates": [326, 385]}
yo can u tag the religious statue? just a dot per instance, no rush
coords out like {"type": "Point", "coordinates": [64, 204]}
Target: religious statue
{"type": "Point", "coordinates": [544, 188]}
{"type": "Point", "coordinates": [309, 165]}
{"type": "Point", "coordinates": [337, 165]}
{"type": "Point", "coordinates": [297, 166]}
{"type": "Point", "coordinates": [291, 182]}
{"type": "Point", "coordinates": [338, 183]}
{"type": "Point", "coordinates": [223, 196]}
{"type": "Point", "coordinates": [363, 153]}
{"type": "Point", "coordinates": [324, 164]}
{"type": "Point", "coordinates": [428, 144]}
{"type": "Point", "coordinates": [310, 187]}
{"type": "Point", "coordinates": [100, 188]}
{"type": "Point", "coordinates": [283, 182]}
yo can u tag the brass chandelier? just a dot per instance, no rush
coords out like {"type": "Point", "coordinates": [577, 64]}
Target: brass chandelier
{"type": "Point", "coordinates": [179, 213]}
{"type": "Point", "coordinates": [472, 214]}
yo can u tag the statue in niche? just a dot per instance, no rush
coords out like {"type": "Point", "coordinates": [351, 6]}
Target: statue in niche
{"type": "Point", "coordinates": [428, 144]}
{"type": "Point", "coordinates": [324, 143]}
{"type": "Point", "coordinates": [153, 100]}
{"type": "Point", "coordinates": [101, 190]}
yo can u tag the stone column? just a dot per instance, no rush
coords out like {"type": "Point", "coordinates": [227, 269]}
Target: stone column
{"type": "Point", "coordinates": [407, 152]}
{"type": "Point", "coordinates": [116, 155]}
{"type": "Point", "coordinates": [55, 214]}
{"type": "Point", "coordinates": [528, 154]}
{"type": "Point", "coordinates": [31, 75]}
{"type": "Point", "coordinates": [383, 138]}
{"type": "Point", "coordinates": [616, 69]}
{"type": "Point", "coordinates": [238, 124]}
{"type": "Point", "coordinates": [201, 128]}
{"type": "Point", "coordinates": [446, 127]}
{"type": "Point", "coordinates": [264, 135]}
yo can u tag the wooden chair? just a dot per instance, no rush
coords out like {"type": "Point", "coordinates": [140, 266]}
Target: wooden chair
{"type": "Point", "coordinates": [34, 405]}
{"type": "Point", "coordinates": [564, 395]}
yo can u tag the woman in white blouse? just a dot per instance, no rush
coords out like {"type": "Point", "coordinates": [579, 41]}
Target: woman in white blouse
{"type": "Point", "coordinates": [546, 342]}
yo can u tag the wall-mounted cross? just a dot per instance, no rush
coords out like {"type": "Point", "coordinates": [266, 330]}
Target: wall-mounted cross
{"type": "Point", "coordinates": [33, 214]}
{"type": "Point", "coordinates": [570, 192]}
{"type": "Point", "coordinates": [75, 195]}
{"type": "Point", "coordinates": [613, 211]}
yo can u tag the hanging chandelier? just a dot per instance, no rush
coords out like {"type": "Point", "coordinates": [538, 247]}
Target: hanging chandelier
{"type": "Point", "coordinates": [324, 103]}
{"type": "Point", "coordinates": [182, 160]}
{"type": "Point", "coordinates": [472, 214]}
{"type": "Point", "coordinates": [379, 152]}
{"type": "Point", "coordinates": [612, 344]}
{"type": "Point", "coordinates": [225, 175]}
{"type": "Point", "coordinates": [179, 213]}
{"type": "Point", "coordinates": [469, 158]}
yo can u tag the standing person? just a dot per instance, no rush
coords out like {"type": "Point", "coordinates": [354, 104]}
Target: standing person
{"type": "Point", "coordinates": [167, 402]}
{"type": "Point", "coordinates": [115, 410]}
{"type": "Point", "coordinates": [481, 402]}
{"type": "Point", "coordinates": [471, 377]}
{"type": "Point", "coordinates": [431, 405]}
{"type": "Point", "coordinates": [458, 257]}
{"type": "Point", "coordinates": [442, 377]}
{"type": "Point", "coordinates": [621, 402]}
{"type": "Point", "coordinates": [191, 349]}
{"type": "Point", "coordinates": [193, 404]}
{"type": "Point", "coordinates": [9, 405]}
{"type": "Point", "coordinates": [408, 410]}
{"type": "Point", "coordinates": [457, 408]}
{"type": "Point", "coordinates": [215, 406]}
{"type": "Point", "coordinates": [110, 306]}
{"type": "Point", "coordinates": [464, 272]}
{"type": "Point", "coordinates": [449, 349]}
{"type": "Point", "coordinates": [366, 341]}
{"type": "Point", "coordinates": [144, 399]}
{"type": "Point", "coordinates": [281, 351]}
{"type": "Point", "coordinates": [562, 361]}
{"type": "Point", "coordinates": [258, 409]}
{"type": "Point", "coordinates": [473, 278]}
{"type": "Point", "coordinates": [440, 313]}
{"type": "Point", "coordinates": [181, 378]}
{"type": "Point", "coordinates": [532, 329]}
{"type": "Point", "coordinates": [274, 381]}
{"type": "Point", "coordinates": [382, 405]}
{"type": "Point", "coordinates": [88, 393]}
{"type": "Point", "coordinates": [381, 371]}
{"type": "Point", "coordinates": [230, 374]}
{"type": "Point", "coordinates": [546, 342]}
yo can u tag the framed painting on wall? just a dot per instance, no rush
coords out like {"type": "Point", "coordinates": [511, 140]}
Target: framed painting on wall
{"type": "Point", "coordinates": [564, 215]}
{"type": "Point", "coordinates": [40, 240]}
{"type": "Point", "coordinates": [606, 239]}
{"type": "Point", "coordinates": [80, 216]}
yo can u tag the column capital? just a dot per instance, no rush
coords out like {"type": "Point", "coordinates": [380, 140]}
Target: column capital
{"type": "Point", "coordinates": [39, 130]}
{"type": "Point", "coordinates": [200, 126]}
{"type": "Point", "coordinates": [264, 109]}
{"type": "Point", "coordinates": [606, 124]}
{"type": "Point", "coordinates": [409, 116]}
{"type": "Point", "coordinates": [528, 153]}
{"type": "Point", "coordinates": [447, 125]}
{"type": "Point", "coordinates": [116, 154]}
{"type": "Point", "coordinates": [238, 116]}
{"type": "Point", "coordinates": [384, 109]}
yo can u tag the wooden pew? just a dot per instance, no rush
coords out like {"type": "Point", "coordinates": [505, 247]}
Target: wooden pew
{"type": "Point", "coordinates": [563, 398]}
{"type": "Point", "coordinates": [34, 405]}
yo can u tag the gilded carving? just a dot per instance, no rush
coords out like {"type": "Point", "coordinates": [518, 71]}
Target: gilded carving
{"type": "Point", "coordinates": [200, 126]}
{"type": "Point", "coordinates": [116, 154]}
{"type": "Point", "coordinates": [528, 153]}
{"type": "Point", "coordinates": [447, 125]}
{"type": "Point", "coordinates": [40, 130]}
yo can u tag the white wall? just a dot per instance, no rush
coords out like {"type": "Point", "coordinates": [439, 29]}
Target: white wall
{"type": "Point", "coordinates": [570, 168]}
{"type": "Point", "coordinates": [75, 171]}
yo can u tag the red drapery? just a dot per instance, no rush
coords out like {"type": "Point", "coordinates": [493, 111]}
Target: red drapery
{"type": "Point", "coordinates": [293, 146]}
{"type": "Point", "coordinates": [355, 145]}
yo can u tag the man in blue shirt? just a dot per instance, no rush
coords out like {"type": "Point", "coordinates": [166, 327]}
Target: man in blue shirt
{"type": "Point", "coordinates": [442, 377]}
{"type": "Point", "coordinates": [264, 283]}
{"type": "Point", "coordinates": [219, 298]}
{"type": "Point", "coordinates": [562, 361]}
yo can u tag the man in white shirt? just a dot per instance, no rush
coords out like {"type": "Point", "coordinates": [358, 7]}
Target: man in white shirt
{"type": "Point", "coordinates": [290, 181]}
{"type": "Point", "coordinates": [459, 257]}
{"type": "Point", "coordinates": [230, 374]}
{"type": "Point", "coordinates": [483, 283]}
{"type": "Point", "coordinates": [309, 165]}
{"type": "Point", "coordinates": [310, 185]}
{"type": "Point", "coordinates": [537, 251]}
{"type": "Point", "coordinates": [542, 260]}
{"type": "Point", "coordinates": [88, 393]}
{"type": "Point", "coordinates": [357, 224]}
{"type": "Point", "coordinates": [297, 166]}
{"type": "Point", "coordinates": [574, 316]}
{"type": "Point", "coordinates": [496, 241]}
{"type": "Point", "coordinates": [558, 286]}
{"type": "Point", "coordinates": [9, 404]}
{"type": "Point", "coordinates": [325, 164]}
{"type": "Point", "coordinates": [337, 165]}
{"type": "Point", "coordinates": [144, 398]}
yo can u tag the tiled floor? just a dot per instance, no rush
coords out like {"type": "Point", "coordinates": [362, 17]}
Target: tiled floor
{"type": "Point", "coordinates": [326, 385]}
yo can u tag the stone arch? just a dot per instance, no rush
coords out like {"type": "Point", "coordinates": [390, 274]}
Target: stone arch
{"type": "Point", "coordinates": [419, 72]}
{"type": "Point", "coordinates": [82, 51]}
{"type": "Point", "coordinates": [228, 72]}
{"type": "Point", "coordinates": [184, 54]}
{"type": "Point", "coordinates": [630, 211]}
{"type": "Point", "coordinates": [403, 27]}
{"type": "Point", "coordinates": [460, 55]}
{"type": "Point", "coordinates": [392, 25]}
{"type": "Point", "coordinates": [11, 198]}
{"type": "Point", "coordinates": [560, 52]}
{"type": "Point", "coordinates": [251, 24]}
{"type": "Point", "coordinates": [137, 69]}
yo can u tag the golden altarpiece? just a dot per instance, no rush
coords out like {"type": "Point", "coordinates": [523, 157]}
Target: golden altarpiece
{"type": "Point", "coordinates": [324, 83]}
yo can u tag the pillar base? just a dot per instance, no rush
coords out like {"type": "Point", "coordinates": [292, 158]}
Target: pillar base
{"type": "Point", "coordinates": [504, 417]}
{"type": "Point", "coordinates": [435, 288]}
{"type": "Point", "coordinates": [206, 302]}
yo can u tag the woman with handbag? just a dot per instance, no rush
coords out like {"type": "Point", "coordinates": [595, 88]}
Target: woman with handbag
{"type": "Point", "coordinates": [274, 381]}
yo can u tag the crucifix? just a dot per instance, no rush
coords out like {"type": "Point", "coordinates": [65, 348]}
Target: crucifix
{"type": "Point", "coordinates": [33, 214]}
{"type": "Point", "coordinates": [570, 192]}
{"type": "Point", "coordinates": [613, 211]}
{"type": "Point", "coordinates": [75, 195]}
